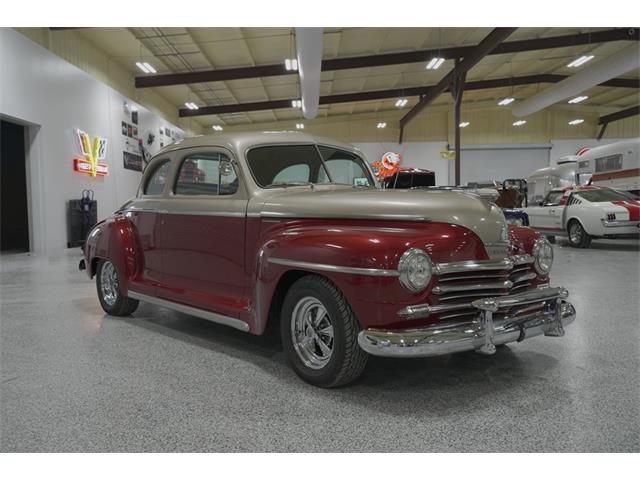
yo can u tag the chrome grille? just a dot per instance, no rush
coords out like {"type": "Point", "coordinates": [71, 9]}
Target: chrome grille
{"type": "Point", "coordinates": [459, 283]}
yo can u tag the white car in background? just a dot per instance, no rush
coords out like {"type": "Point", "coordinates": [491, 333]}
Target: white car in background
{"type": "Point", "coordinates": [582, 213]}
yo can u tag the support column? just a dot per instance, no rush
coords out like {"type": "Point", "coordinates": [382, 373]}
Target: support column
{"type": "Point", "coordinates": [457, 91]}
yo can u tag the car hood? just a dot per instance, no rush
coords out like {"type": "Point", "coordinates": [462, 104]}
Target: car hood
{"type": "Point", "coordinates": [467, 210]}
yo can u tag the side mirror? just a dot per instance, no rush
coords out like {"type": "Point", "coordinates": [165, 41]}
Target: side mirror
{"type": "Point", "coordinates": [225, 168]}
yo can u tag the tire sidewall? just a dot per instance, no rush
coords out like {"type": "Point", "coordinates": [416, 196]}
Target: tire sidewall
{"type": "Point", "coordinates": [117, 306]}
{"type": "Point", "coordinates": [584, 238]}
{"type": "Point", "coordinates": [311, 287]}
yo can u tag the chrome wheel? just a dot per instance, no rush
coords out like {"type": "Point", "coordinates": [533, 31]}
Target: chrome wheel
{"type": "Point", "coordinates": [312, 332]}
{"type": "Point", "coordinates": [109, 283]}
{"type": "Point", "coordinates": [575, 233]}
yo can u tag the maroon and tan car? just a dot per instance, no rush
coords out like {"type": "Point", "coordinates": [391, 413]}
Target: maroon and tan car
{"type": "Point", "coordinates": [254, 229]}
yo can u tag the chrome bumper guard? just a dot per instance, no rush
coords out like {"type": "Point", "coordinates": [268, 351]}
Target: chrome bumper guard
{"type": "Point", "coordinates": [484, 332]}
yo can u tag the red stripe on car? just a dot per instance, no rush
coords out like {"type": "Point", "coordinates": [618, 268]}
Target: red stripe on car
{"type": "Point", "coordinates": [632, 207]}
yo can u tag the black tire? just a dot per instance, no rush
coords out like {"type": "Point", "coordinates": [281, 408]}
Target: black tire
{"type": "Point", "coordinates": [551, 238]}
{"type": "Point", "coordinates": [117, 305]}
{"type": "Point", "coordinates": [347, 360]}
{"type": "Point", "coordinates": [578, 236]}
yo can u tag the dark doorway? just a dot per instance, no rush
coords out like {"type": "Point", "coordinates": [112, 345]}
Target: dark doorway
{"type": "Point", "coordinates": [14, 216]}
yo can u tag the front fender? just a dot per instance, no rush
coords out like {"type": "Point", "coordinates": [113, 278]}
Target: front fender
{"type": "Point", "coordinates": [114, 239]}
{"type": "Point", "coordinates": [375, 299]}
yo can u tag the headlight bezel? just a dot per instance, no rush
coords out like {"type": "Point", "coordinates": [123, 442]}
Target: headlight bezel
{"type": "Point", "coordinates": [406, 266]}
{"type": "Point", "coordinates": [538, 246]}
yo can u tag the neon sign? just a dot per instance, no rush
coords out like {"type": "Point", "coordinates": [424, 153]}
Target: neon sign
{"type": "Point", "coordinates": [92, 155]}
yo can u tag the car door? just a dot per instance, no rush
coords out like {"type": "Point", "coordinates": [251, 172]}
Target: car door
{"type": "Point", "coordinates": [145, 215]}
{"type": "Point", "coordinates": [203, 233]}
{"type": "Point", "coordinates": [547, 216]}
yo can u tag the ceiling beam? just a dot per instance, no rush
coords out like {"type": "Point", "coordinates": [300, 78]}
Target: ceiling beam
{"type": "Point", "coordinates": [394, 93]}
{"type": "Point", "coordinates": [489, 43]}
{"type": "Point", "coordinates": [626, 113]}
{"type": "Point", "coordinates": [388, 58]}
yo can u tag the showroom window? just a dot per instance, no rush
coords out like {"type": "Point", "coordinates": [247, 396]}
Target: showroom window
{"type": "Point", "coordinates": [155, 184]}
{"type": "Point", "coordinates": [207, 174]}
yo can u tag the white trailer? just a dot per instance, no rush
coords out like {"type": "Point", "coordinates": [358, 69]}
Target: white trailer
{"type": "Point", "coordinates": [616, 165]}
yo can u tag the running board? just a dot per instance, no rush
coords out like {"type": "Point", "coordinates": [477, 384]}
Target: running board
{"type": "Point", "coordinates": [196, 312]}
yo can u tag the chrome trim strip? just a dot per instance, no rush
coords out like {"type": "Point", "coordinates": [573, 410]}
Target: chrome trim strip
{"type": "Point", "coordinates": [470, 287]}
{"type": "Point", "coordinates": [208, 213]}
{"type": "Point", "coordinates": [376, 272]}
{"type": "Point", "coordinates": [451, 337]}
{"type": "Point", "coordinates": [619, 223]}
{"type": "Point", "coordinates": [196, 312]}
{"type": "Point", "coordinates": [531, 296]}
{"type": "Point", "coordinates": [481, 265]}
{"type": "Point", "coordinates": [523, 277]}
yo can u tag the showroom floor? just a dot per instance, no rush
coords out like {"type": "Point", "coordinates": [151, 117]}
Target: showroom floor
{"type": "Point", "coordinates": [74, 379]}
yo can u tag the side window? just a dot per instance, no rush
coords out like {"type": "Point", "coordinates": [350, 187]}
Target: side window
{"type": "Point", "coordinates": [157, 180]}
{"type": "Point", "coordinates": [553, 198]}
{"type": "Point", "coordinates": [206, 174]}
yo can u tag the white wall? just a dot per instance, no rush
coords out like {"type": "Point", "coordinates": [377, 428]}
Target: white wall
{"type": "Point", "coordinates": [54, 98]}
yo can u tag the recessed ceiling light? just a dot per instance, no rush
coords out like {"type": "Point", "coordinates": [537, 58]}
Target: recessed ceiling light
{"type": "Point", "coordinates": [191, 106]}
{"type": "Point", "coordinates": [580, 61]}
{"type": "Point", "coordinates": [506, 101]}
{"type": "Point", "coordinates": [577, 121]}
{"type": "Point", "coordinates": [300, 126]}
{"type": "Point", "coordinates": [464, 124]}
{"type": "Point", "coordinates": [217, 128]}
{"type": "Point", "coordinates": [296, 103]}
{"type": "Point", "coordinates": [382, 124]}
{"type": "Point", "coordinates": [401, 102]}
{"type": "Point", "coordinates": [578, 99]}
{"type": "Point", "coordinates": [435, 63]}
{"type": "Point", "coordinates": [518, 123]}
{"type": "Point", "coordinates": [291, 64]}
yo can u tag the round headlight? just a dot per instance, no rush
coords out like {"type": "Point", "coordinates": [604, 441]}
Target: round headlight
{"type": "Point", "coordinates": [415, 269]}
{"type": "Point", "coordinates": [543, 255]}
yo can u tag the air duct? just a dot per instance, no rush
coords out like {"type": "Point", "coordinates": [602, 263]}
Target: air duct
{"type": "Point", "coordinates": [617, 64]}
{"type": "Point", "coordinates": [309, 54]}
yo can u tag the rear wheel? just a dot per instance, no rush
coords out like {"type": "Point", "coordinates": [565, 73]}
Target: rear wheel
{"type": "Point", "coordinates": [320, 333]}
{"type": "Point", "coordinates": [578, 237]}
{"type": "Point", "coordinates": [108, 285]}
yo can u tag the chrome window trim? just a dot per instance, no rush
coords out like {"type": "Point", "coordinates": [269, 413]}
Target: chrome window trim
{"type": "Point", "coordinates": [196, 312]}
{"type": "Point", "coordinates": [376, 272]}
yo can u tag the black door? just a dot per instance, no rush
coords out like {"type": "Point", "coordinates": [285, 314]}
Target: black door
{"type": "Point", "coordinates": [14, 230]}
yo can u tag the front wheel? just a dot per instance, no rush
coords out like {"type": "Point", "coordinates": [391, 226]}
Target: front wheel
{"type": "Point", "coordinates": [320, 333]}
{"type": "Point", "coordinates": [108, 285]}
{"type": "Point", "coordinates": [578, 237]}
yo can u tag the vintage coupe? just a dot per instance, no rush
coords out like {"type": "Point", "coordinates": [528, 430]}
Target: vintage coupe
{"type": "Point", "coordinates": [259, 228]}
{"type": "Point", "coordinates": [584, 213]}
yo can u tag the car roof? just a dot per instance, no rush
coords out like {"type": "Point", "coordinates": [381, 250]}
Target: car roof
{"type": "Point", "coordinates": [240, 141]}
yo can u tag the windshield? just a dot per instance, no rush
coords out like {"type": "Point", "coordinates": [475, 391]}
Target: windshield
{"type": "Point", "coordinates": [287, 165]}
{"type": "Point", "coordinates": [605, 195]}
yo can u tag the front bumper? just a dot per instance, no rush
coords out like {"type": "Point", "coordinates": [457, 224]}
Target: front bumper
{"type": "Point", "coordinates": [484, 332]}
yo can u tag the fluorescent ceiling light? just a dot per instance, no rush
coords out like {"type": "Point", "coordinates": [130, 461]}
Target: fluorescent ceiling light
{"type": "Point", "coordinates": [150, 68]}
{"type": "Point", "coordinates": [401, 102]}
{"type": "Point", "coordinates": [142, 67]}
{"type": "Point", "coordinates": [463, 124]}
{"type": "Point", "coordinates": [518, 123]}
{"type": "Point", "coordinates": [506, 101]}
{"type": "Point", "coordinates": [382, 124]}
{"type": "Point", "coordinates": [580, 61]}
{"type": "Point", "coordinates": [577, 121]}
{"type": "Point", "coordinates": [191, 106]}
{"type": "Point", "coordinates": [435, 63]}
{"type": "Point", "coordinates": [578, 99]}
{"type": "Point", "coordinates": [300, 126]}
{"type": "Point", "coordinates": [296, 103]}
{"type": "Point", "coordinates": [217, 128]}
{"type": "Point", "coordinates": [291, 64]}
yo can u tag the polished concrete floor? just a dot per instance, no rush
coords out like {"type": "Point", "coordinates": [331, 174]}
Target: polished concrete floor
{"type": "Point", "coordinates": [74, 379]}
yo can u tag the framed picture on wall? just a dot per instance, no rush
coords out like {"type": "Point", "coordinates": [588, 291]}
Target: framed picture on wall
{"type": "Point", "coordinates": [124, 128]}
{"type": "Point", "coordinates": [134, 117]}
